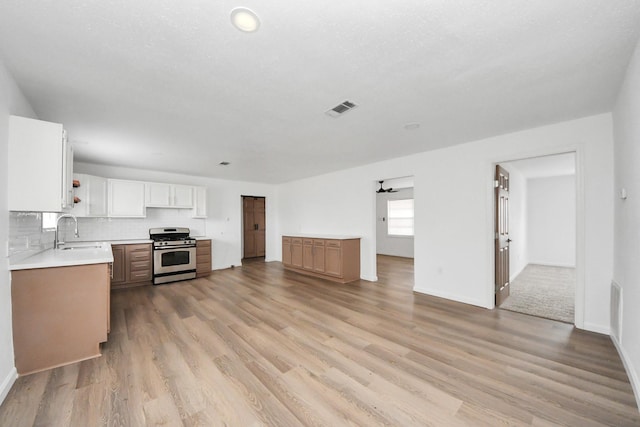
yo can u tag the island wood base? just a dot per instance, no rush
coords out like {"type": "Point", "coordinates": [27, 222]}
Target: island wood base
{"type": "Point", "coordinates": [333, 259]}
{"type": "Point", "coordinates": [60, 315]}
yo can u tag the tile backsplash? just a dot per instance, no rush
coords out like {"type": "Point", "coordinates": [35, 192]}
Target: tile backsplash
{"type": "Point", "coordinates": [26, 234]}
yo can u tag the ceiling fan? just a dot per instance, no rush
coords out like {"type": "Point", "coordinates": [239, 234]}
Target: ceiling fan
{"type": "Point", "coordinates": [385, 190]}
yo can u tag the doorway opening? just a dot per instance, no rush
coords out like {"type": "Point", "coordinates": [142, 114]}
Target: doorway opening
{"type": "Point", "coordinates": [253, 226]}
{"type": "Point", "coordinates": [536, 229]}
{"type": "Point", "coordinates": [395, 229]}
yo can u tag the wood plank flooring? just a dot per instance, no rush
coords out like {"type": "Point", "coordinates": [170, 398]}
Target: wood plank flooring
{"type": "Point", "coordinates": [258, 345]}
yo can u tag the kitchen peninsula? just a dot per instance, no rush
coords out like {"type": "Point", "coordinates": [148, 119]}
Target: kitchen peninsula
{"type": "Point", "coordinates": [60, 305]}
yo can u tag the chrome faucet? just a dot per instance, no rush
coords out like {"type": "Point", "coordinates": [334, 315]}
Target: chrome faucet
{"type": "Point", "coordinates": [56, 243]}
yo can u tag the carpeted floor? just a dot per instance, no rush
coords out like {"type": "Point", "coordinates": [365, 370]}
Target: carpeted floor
{"type": "Point", "coordinates": [544, 291]}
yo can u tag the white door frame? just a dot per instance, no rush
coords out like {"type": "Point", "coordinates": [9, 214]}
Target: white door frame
{"type": "Point", "coordinates": [580, 222]}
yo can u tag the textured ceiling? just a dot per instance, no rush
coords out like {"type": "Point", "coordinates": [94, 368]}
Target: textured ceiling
{"type": "Point", "coordinates": [171, 85]}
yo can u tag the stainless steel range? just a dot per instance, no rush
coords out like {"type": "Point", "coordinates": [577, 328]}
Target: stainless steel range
{"type": "Point", "coordinates": [174, 255]}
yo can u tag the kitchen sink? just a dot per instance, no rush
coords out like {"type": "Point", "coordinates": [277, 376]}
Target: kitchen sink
{"type": "Point", "coordinates": [80, 247]}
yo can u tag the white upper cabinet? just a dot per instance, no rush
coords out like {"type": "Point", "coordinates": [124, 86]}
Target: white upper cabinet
{"type": "Point", "coordinates": [126, 198]}
{"type": "Point", "coordinates": [40, 164]}
{"type": "Point", "coordinates": [159, 195]}
{"type": "Point", "coordinates": [92, 193]}
{"type": "Point", "coordinates": [200, 202]}
{"type": "Point", "coordinates": [182, 196]}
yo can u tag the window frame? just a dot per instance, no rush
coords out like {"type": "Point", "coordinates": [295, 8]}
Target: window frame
{"type": "Point", "coordinates": [389, 217]}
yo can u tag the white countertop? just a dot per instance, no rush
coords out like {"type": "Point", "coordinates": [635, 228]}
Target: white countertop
{"type": "Point", "coordinates": [130, 241]}
{"type": "Point", "coordinates": [321, 236]}
{"type": "Point", "coordinates": [81, 254]}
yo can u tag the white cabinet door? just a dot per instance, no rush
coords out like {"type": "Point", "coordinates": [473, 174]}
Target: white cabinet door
{"type": "Point", "coordinates": [97, 203]}
{"type": "Point", "coordinates": [158, 195]}
{"type": "Point", "coordinates": [126, 198]}
{"type": "Point", "coordinates": [67, 174]}
{"type": "Point", "coordinates": [200, 202]}
{"type": "Point", "coordinates": [182, 196]}
{"type": "Point", "coordinates": [35, 165]}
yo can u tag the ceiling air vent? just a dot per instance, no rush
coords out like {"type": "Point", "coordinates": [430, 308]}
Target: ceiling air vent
{"type": "Point", "coordinates": [340, 109]}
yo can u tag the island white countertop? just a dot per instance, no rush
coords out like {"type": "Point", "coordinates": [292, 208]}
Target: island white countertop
{"type": "Point", "coordinates": [79, 254]}
{"type": "Point", "coordinates": [321, 236]}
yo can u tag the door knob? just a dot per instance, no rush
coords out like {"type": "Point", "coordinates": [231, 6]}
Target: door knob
{"type": "Point", "coordinates": [508, 240]}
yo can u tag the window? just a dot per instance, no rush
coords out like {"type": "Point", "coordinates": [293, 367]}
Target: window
{"type": "Point", "coordinates": [400, 217]}
{"type": "Point", "coordinates": [49, 220]}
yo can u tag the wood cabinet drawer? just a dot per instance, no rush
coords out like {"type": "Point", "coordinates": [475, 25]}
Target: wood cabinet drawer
{"type": "Point", "coordinates": [307, 241]}
{"type": "Point", "coordinates": [203, 243]}
{"type": "Point", "coordinates": [139, 247]}
{"type": "Point", "coordinates": [286, 240]}
{"type": "Point", "coordinates": [140, 265]}
{"type": "Point", "coordinates": [296, 241]}
{"type": "Point", "coordinates": [203, 259]}
{"type": "Point", "coordinates": [318, 242]}
{"type": "Point", "coordinates": [137, 276]}
{"type": "Point", "coordinates": [333, 243]}
{"type": "Point", "coordinates": [139, 256]}
{"type": "Point", "coordinates": [206, 250]}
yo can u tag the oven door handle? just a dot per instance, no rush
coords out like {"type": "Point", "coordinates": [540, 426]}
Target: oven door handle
{"type": "Point", "coordinates": [167, 248]}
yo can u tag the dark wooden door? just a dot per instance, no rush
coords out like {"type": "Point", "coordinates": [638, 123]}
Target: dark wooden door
{"type": "Point", "coordinates": [254, 225]}
{"type": "Point", "coordinates": [502, 235]}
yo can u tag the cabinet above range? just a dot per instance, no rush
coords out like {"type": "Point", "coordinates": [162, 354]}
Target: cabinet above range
{"type": "Point", "coordinates": [159, 195]}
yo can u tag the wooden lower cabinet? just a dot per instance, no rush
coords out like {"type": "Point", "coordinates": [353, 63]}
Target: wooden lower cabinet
{"type": "Point", "coordinates": [119, 273]}
{"type": "Point", "coordinates": [296, 252]}
{"type": "Point", "coordinates": [132, 265]}
{"type": "Point", "coordinates": [60, 315]}
{"type": "Point", "coordinates": [203, 258]}
{"type": "Point", "coordinates": [333, 259]}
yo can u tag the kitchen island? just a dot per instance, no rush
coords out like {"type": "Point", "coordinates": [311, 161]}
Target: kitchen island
{"type": "Point", "coordinates": [331, 257]}
{"type": "Point", "coordinates": [60, 306]}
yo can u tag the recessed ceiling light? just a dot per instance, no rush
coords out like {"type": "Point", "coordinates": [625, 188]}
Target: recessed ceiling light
{"type": "Point", "coordinates": [412, 126]}
{"type": "Point", "coordinates": [245, 19]}
{"type": "Point", "coordinates": [224, 163]}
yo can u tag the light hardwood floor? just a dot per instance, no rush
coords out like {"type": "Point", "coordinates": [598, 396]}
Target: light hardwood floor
{"type": "Point", "coordinates": [258, 345]}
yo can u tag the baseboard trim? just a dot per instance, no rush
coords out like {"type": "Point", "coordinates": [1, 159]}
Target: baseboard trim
{"type": "Point", "coordinates": [592, 327]}
{"type": "Point", "coordinates": [449, 296]}
{"type": "Point", "coordinates": [551, 264]}
{"type": "Point", "coordinates": [631, 372]}
{"type": "Point", "coordinates": [7, 383]}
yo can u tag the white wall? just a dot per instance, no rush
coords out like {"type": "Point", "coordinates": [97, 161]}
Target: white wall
{"type": "Point", "coordinates": [12, 101]}
{"type": "Point", "coordinates": [391, 245]}
{"type": "Point", "coordinates": [627, 216]}
{"type": "Point", "coordinates": [224, 209]}
{"type": "Point", "coordinates": [518, 257]}
{"type": "Point", "coordinates": [454, 222]}
{"type": "Point", "coordinates": [551, 221]}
